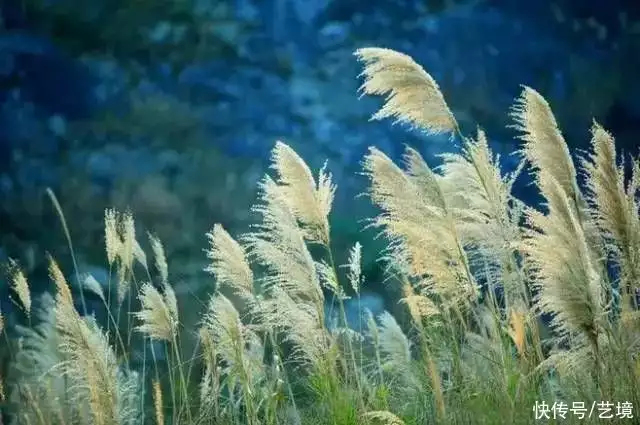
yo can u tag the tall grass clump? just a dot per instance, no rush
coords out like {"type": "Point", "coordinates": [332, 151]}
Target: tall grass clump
{"type": "Point", "coordinates": [476, 269]}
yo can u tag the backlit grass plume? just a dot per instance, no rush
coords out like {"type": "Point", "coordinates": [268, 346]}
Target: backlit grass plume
{"type": "Point", "coordinates": [292, 307]}
{"type": "Point", "coordinates": [90, 364]}
{"type": "Point", "coordinates": [122, 247]}
{"type": "Point", "coordinates": [160, 258]}
{"type": "Point", "coordinates": [300, 324]}
{"type": "Point", "coordinates": [240, 352]}
{"type": "Point", "coordinates": [615, 208]}
{"type": "Point", "coordinates": [128, 235]}
{"type": "Point", "coordinates": [113, 244]}
{"type": "Point", "coordinates": [476, 187]}
{"type": "Point", "coordinates": [238, 346]}
{"type": "Point", "coordinates": [354, 267]}
{"type": "Point", "coordinates": [412, 94]}
{"type": "Point", "coordinates": [308, 200]}
{"type": "Point", "coordinates": [159, 315]}
{"type": "Point", "coordinates": [489, 216]}
{"type": "Point", "coordinates": [382, 417]}
{"type": "Point", "coordinates": [544, 147]}
{"type": "Point", "coordinates": [229, 263]}
{"type": "Point", "coordinates": [20, 286]}
{"type": "Point", "coordinates": [562, 246]}
{"type": "Point", "coordinates": [567, 275]}
{"type": "Point", "coordinates": [278, 244]}
{"type": "Point", "coordinates": [90, 283]}
{"type": "Point", "coordinates": [425, 239]}
{"type": "Point", "coordinates": [420, 306]}
{"type": "Point", "coordinates": [395, 349]}
{"type": "Point", "coordinates": [36, 366]}
{"type": "Point", "coordinates": [158, 403]}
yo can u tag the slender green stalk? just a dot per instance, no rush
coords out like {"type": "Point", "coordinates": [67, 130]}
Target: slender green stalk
{"type": "Point", "coordinates": [63, 221]}
{"type": "Point", "coordinates": [183, 382]}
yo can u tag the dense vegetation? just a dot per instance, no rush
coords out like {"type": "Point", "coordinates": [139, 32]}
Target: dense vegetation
{"type": "Point", "coordinates": [476, 268]}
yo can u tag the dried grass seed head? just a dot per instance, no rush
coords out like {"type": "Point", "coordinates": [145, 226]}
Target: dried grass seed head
{"type": "Point", "coordinates": [229, 262]}
{"type": "Point", "coordinates": [382, 417]}
{"type": "Point", "coordinates": [160, 258]}
{"type": "Point", "coordinates": [544, 146]}
{"type": "Point", "coordinates": [113, 243]}
{"type": "Point", "coordinates": [20, 286]}
{"type": "Point", "coordinates": [157, 315]}
{"type": "Point", "coordinates": [278, 244]}
{"type": "Point", "coordinates": [413, 96]}
{"type": "Point", "coordinates": [310, 202]}
{"type": "Point", "coordinates": [564, 268]}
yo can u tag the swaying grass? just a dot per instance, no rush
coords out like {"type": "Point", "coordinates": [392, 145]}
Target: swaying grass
{"type": "Point", "coordinates": [475, 266]}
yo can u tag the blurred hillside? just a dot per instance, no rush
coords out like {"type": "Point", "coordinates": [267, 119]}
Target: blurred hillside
{"type": "Point", "coordinates": [170, 107]}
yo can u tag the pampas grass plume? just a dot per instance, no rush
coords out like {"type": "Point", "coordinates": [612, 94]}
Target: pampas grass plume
{"type": "Point", "coordinates": [20, 286]}
{"type": "Point", "coordinates": [158, 315]}
{"type": "Point", "coordinates": [157, 402]}
{"type": "Point", "coordinates": [310, 202]}
{"type": "Point", "coordinates": [413, 96]}
{"type": "Point", "coordinates": [228, 261]}
{"type": "Point", "coordinates": [383, 417]}
{"type": "Point", "coordinates": [160, 258]}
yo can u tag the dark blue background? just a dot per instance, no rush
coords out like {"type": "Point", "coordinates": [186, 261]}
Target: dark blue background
{"type": "Point", "coordinates": [280, 69]}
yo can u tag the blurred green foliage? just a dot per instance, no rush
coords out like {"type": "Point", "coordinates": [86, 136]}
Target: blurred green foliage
{"type": "Point", "coordinates": [133, 38]}
{"type": "Point", "coordinates": [139, 32]}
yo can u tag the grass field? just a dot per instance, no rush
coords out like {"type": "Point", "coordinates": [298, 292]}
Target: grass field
{"type": "Point", "coordinates": [476, 268]}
